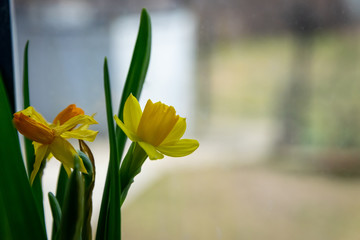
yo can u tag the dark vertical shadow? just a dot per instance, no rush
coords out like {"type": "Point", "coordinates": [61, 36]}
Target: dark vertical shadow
{"type": "Point", "coordinates": [6, 57]}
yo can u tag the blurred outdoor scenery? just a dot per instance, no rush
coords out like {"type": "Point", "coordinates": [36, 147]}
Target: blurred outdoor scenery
{"type": "Point", "coordinates": [270, 88]}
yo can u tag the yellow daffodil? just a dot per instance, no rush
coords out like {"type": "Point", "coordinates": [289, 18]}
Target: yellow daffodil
{"type": "Point", "coordinates": [158, 130]}
{"type": "Point", "coordinates": [50, 138]}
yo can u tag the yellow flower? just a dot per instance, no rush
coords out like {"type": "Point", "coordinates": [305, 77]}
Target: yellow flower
{"type": "Point", "coordinates": [158, 130]}
{"type": "Point", "coordinates": [49, 139]}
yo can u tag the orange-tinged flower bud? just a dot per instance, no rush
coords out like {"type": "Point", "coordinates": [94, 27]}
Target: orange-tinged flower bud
{"type": "Point", "coordinates": [32, 129]}
{"type": "Point", "coordinates": [68, 113]}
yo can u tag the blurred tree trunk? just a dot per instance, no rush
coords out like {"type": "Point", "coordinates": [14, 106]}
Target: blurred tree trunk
{"type": "Point", "coordinates": [295, 101]}
{"type": "Point", "coordinates": [206, 41]}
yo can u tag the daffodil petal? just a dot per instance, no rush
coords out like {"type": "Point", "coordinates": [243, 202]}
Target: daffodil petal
{"type": "Point", "coordinates": [180, 148]}
{"type": "Point", "coordinates": [74, 121]}
{"type": "Point", "coordinates": [83, 126]}
{"type": "Point", "coordinates": [132, 113]}
{"type": "Point", "coordinates": [32, 113]}
{"type": "Point", "coordinates": [65, 152]}
{"type": "Point", "coordinates": [37, 145]}
{"type": "Point", "coordinates": [68, 170]}
{"type": "Point", "coordinates": [40, 153]}
{"type": "Point", "coordinates": [151, 151]}
{"type": "Point", "coordinates": [126, 130]}
{"type": "Point", "coordinates": [83, 134]}
{"type": "Point", "coordinates": [49, 156]}
{"type": "Point", "coordinates": [177, 132]}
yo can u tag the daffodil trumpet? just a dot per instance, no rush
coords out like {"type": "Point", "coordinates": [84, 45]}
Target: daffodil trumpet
{"type": "Point", "coordinates": [50, 139]}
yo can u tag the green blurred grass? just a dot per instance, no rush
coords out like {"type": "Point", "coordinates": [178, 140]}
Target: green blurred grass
{"type": "Point", "coordinates": [248, 78]}
{"type": "Point", "coordinates": [246, 75]}
{"type": "Point", "coordinates": [245, 203]}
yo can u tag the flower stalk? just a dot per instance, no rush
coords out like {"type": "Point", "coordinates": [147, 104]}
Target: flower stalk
{"type": "Point", "coordinates": [131, 166]}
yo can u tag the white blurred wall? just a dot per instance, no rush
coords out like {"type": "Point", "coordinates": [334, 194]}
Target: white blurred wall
{"type": "Point", "coordinates": [171, 74]}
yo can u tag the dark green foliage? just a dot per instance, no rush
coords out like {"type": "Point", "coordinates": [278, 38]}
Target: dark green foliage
{"type": "Point", "coordinates": [56, 212]}
{"type": "Point", "coordinates": [19, 218]}
{"type": "Point", "coordinates": [73, 206]}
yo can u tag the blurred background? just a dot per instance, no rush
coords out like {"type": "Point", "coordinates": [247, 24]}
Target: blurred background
{"type": "Point", "coordinates": [269, 88]}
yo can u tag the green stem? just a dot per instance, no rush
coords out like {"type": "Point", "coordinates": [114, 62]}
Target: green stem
{"type": "Point", "coordinates": [131, 167]}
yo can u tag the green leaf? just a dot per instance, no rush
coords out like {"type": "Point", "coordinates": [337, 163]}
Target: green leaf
{"type": "Point", "coordinates": [113, 230]}
{"type": "Point", "coordinates": [89, 162]}
{"type": "Point", "coordinates": [5, 228]}
{"type": "Point", "coordinates": [131, 167]}
{"type": "Point", "coordinates": [134, 83]}
{"type": "Point", "coordinates": [61, 185]}
{"type": "Point", "coordinates": [60, 192]}
{"type": "Point", "coordinates": [20, 215]}
{"type": "Point", "coordinates": [88, 166]}
{"type": "Point", "coordinates": [137, 71]}
{"type": "Point", "coordinates": [73, 206]}
{"type": "Point", "coordinates": [56, 211]}
{"type": "Point", "coordinates": [101, 231]}
{"type": "Point", "coordinates": [29, 148]}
